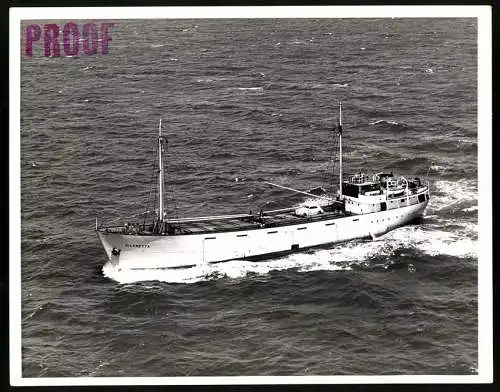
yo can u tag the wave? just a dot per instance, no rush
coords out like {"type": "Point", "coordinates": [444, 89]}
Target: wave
{"type": "Point", "coordinates": [388, 122]}
{"type": "Point", "coordinates": [409, 165]}
{"type": "Point", "coordinates": [303, 85]}
{"type": "Point", "coordinates": [449, 145]}
{"type": "Point", "coordinates": [88, 67]}
{"type": "Point", "coordinates": [439, 242]}
{"type": "Point", "coordinates": [448, 194]}
{"type": "Point", "coordinates": [383, 121]}
{"type": "Point", "coordinates": [222, 155]}
{"type": "Point", "coordinates": [251, 89]}
{"type": "Point", "coordinates": [437, 168]}
{"type": "Point", "coordinates": [211, 80]}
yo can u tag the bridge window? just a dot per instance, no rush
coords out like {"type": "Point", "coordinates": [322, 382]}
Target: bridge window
{"type": "Point", "coordinates": [350, 190]}
{"type": "Point", "coordinates": [369, 188]}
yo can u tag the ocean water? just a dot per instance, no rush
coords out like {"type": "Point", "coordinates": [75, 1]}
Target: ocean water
{"type": "Point", "coordinates": [242, 101]}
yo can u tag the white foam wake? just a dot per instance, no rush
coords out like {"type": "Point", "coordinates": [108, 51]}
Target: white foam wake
{"type": "Point", "coordinates": [450, 193]}
{"type": "Point", "coordinates": [231, 269]}
{"type": "Point", "coordinates": [437, 168]}
{"type": "Point", "coordinates": [435, 242]}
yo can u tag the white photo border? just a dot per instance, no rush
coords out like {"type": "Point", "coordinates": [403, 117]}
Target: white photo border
{"type": "Point", "coordinates": [484, 111]}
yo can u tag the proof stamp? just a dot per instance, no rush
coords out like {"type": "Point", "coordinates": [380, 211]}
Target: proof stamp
{"type": "Point", "coordinates": [69, 39]}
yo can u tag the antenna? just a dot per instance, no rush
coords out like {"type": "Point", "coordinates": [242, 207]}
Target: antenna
{"type": "Point", "coordinates": [340, 113]}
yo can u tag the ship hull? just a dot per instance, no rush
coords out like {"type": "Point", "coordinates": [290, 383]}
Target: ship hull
{"type": "Point", "coordinates": [183, 251]}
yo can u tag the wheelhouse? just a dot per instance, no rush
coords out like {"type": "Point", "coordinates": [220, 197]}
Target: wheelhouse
{"type": "Point", "coordinates": [360, 184]}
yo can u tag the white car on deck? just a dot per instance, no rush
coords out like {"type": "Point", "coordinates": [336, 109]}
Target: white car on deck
{"type": "Point", "coordinates": [308, 209]}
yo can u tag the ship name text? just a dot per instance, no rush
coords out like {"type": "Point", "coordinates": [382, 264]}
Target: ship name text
{"type": "Point", "coordinates": [138, 245]}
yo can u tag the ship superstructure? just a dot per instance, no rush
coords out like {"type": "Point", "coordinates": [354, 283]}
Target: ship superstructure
{"type": "Point", "coordinates": [365, 206]}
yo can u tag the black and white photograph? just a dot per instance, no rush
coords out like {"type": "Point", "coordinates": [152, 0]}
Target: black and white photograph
{"type": "Point", "coordinates": [250, 195]}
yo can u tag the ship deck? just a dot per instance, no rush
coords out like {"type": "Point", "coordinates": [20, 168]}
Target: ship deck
{"type": "Point", "coordinates": [251, 223]}
{"type": "Point", "coordinates": [241, 222]}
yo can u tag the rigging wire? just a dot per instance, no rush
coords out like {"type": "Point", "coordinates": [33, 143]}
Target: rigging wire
{"type": "Point", "coordinates": [128, 217]}
{"type": "Point", "coordinates": [148, 210]}
{"type": "Point", "coordinates": [170, 199]}
{"type": "Point", "coordinates": [329, 176]}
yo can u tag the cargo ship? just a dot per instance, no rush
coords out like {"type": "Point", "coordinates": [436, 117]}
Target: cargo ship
{"type": "Point", "coordinates": [364, 206]}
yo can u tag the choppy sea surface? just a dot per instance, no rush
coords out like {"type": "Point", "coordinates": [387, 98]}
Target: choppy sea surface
{"type": "Point", "coordinates": [241, 101]}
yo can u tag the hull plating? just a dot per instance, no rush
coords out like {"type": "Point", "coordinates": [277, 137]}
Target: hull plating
{"type": "Point", "coordinates": [177, 251]}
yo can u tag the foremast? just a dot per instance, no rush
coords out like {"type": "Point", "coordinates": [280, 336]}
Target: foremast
{"type": "Point", "coordinates": [161, 173]}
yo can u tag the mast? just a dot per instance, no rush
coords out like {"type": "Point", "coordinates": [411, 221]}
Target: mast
{"type": "Point", "coordinates": [160, 171]}
{"type": "Point", "coordinates": [340, 149]}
